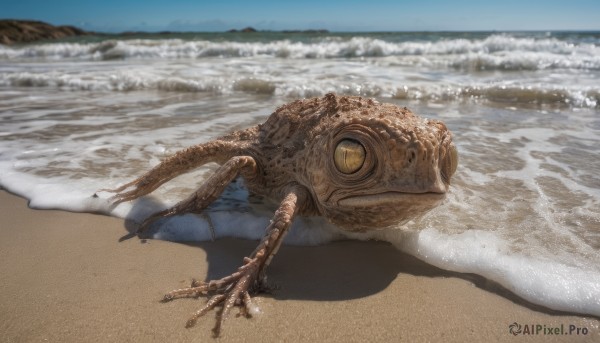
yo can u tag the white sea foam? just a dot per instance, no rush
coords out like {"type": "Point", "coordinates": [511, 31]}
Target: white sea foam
{"type": "Point", "coordinates": [555, 284]}
{"type": "Point", "coordinates": [498, 91]}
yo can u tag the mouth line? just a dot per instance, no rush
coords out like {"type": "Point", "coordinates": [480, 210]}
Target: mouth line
{"type": "Point", "coordinates": [388, 198]}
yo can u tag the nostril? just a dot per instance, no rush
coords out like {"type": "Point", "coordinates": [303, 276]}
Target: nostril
{"type": "Point", "coordinates": [412, 157]}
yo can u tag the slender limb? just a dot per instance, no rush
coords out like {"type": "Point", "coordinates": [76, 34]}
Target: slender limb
{"type": "Point", "coordinates": [182, 162]}
{"type": "Point", "coordinates": [235, 288]}
{"type": "Point", "coordinates": [210, 190]}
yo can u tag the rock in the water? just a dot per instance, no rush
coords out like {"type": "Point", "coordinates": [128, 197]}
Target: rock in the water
{"type": "Point", "coordinates": [244, 30]}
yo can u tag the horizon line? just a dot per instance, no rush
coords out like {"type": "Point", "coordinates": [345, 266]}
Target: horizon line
{"type": "Point", "coordinates": [240, 30]}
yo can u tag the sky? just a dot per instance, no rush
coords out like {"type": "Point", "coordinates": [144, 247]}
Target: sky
{"type": "Point", "coordinates": [349, 15]}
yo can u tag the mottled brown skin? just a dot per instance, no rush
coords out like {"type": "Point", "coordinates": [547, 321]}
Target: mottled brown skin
{"type": "Point", "coordinates": [403, 170]}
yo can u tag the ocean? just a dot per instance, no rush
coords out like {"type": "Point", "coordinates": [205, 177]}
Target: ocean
{"type": "Point", "coordinates": [93, 112]}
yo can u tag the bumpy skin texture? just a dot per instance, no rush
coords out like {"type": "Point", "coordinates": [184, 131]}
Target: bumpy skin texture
{"type": "Point", "coordinates": [360, 164]}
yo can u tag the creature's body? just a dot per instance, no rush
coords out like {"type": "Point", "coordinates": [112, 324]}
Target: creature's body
{"type": "Point", "coordinates": [360, 164]}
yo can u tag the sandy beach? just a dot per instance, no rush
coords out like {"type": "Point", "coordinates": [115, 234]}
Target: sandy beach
{"type": "Point", "coordinates": [71, 277]}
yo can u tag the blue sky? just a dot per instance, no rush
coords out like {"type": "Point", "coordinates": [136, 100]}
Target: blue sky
{"type": "Point", "coordinates": [349, 15]}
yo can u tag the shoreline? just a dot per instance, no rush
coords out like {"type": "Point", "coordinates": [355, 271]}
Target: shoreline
{"type": "Point", "coordinates": [76, 276]}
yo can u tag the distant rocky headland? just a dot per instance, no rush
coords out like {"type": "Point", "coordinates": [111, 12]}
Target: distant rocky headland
{"type": "Point", "coordinates": [23, 31]}
{"type": "Point", "coordinates": [251, 29]}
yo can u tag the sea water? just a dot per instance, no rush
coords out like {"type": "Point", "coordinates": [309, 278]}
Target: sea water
{"type": "Point", "coordinates": [88, 113]}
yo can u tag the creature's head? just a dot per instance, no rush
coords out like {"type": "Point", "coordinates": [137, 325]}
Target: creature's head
{"type": "Point", "coordinates": [374, 165]}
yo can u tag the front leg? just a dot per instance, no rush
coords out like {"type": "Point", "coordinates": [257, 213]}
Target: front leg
{"type": "Point", "coordinates": [236, 288]}
{"type": "Point", "coordinates": [182, 162]}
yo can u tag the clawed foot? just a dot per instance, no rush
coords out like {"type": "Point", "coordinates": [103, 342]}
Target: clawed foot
{"type": "Point", "coordinates": [231, 290]}
{"type": "Point", "coordinates": [250, 277]}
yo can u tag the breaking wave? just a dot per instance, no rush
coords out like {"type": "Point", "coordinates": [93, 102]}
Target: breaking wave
{"type": "Point", "coordinates": [541, 94]}
{"type": "Point", "coordinates": [499, 51]}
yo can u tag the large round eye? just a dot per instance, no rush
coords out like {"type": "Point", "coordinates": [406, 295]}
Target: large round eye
{"type": "Point", "coordinates": [349, 156]}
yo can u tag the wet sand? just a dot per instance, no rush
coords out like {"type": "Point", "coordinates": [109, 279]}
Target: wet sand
{"type": "Point", "coordinates": [72, 277]}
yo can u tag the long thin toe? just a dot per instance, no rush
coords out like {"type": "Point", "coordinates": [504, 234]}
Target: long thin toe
{"type": "Point", "coordinates": [190, 323]}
